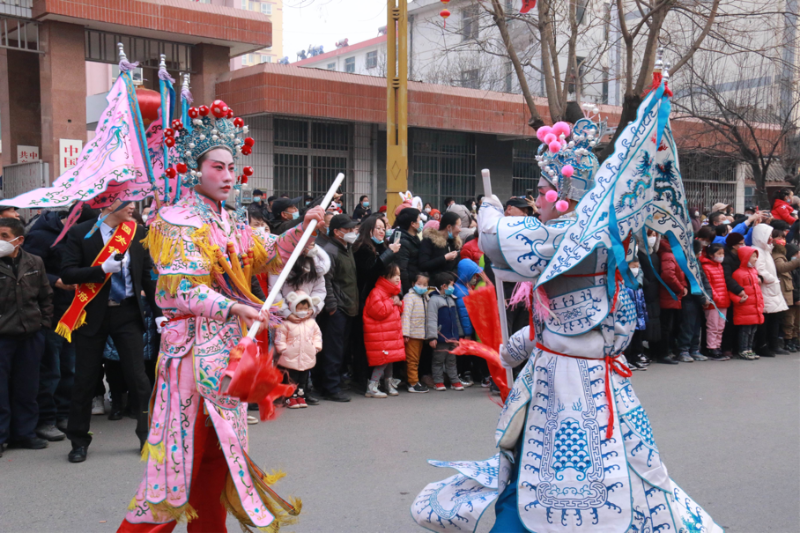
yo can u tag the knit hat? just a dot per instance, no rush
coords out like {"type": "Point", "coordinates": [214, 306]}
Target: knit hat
{"type": "Point", "coordinates": [733, 239]}
{"type": "Point", "coordinates": [296, 297]}
{"type": "Point", "coordinates": [791, 250]}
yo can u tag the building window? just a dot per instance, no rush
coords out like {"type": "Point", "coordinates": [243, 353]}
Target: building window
{"type": "Point", "coordinates": [571, 88]}
{"type": "Point", "coordinates": [470, 26]}
{"type": "Point", "coordinates": [372, 59]}
{"type": "Point", "coordinates": [331, 66]}
{"type": "Point", "coordinates": [265, 58]}
{"type": "Point", "coordinates": [266, 8]}
{"type": "Point", "coordinates": [509, 77]}
{"type": "Point", "coordinates": [525, 170]}
{"type": "Point", "coordinates": [350, 64]}
{"type": "Point", "coordinates": [245, 4]}
{"type": "Point", "coordinates": [309, 155]}
{"type": "Point", "coordinates": [469, 79]}
{"type": "Point", "coordinates": [246, 59]}
{"type": "Point", "coordinates": [443, 165]}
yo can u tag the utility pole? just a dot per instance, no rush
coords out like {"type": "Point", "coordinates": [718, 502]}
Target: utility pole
{"type": "Point", "coordinates": [396, 103]}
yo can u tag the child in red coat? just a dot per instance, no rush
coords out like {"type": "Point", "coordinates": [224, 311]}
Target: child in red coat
{"type": "Point", "coordinates": [383, 331]}
{"type": "Point", "coordinates": [748, 311]}
{"type": "Point", "coordinates": [711, 261]}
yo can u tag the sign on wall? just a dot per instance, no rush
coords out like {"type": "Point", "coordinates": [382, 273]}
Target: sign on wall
{"type": "Point", "coordinates": [68, 150]}
{"type": "Point", "coordinates": [26, 154]}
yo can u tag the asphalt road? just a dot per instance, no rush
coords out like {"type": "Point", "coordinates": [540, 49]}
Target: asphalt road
{"type": "Point", "coordinates": [728, 432]}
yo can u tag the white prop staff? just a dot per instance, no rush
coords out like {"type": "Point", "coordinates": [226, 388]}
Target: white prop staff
{"type": "Point", "coordinates": [501, 297]}
{"type": "Point", "coordinates": [301, 245]}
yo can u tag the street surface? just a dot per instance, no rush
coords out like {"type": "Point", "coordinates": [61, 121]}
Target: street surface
{"type": "Point", "coordinates": [728, 432]}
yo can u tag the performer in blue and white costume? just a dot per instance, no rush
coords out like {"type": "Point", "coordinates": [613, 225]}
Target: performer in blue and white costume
{"type": "Point", "coordinates": [571, 459]}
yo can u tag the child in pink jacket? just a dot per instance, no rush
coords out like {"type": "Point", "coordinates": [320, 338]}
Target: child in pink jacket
{"type": "Point", "coordinates": [297, 342]}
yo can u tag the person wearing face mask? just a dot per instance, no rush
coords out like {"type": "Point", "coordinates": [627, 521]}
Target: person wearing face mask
{"type": "Point", "coordinates": [706, 235]}
{"type": "Point", "coordinates": [341, 305]}
{"type": "Point", "coordinates": [383, 332]}
{"type": "Point", "coordinates": [409, 226]}
{"type": "Point", "coordinates": [650, 265]}
{"type": "Point", "coordinates": [362, 210]}
{"type": "Point", "coordinates": [26, 307]}
{"type": "Point", "coordinates": [634, 353]}
{"type": "Point", "coordinates": [675, 279]}
{"type": "Point", "coordinates": [748, 310]}
{"type": "Point", "coordinates": [297, 342]}
{"type": "Point", "coordinates": [415, 314]}
{"type": "Point", "coordinates": [285, 214]}
{"type": "Point", "coordinates": [691, 322]}
{"type": "Point", "coordinates": [767, 343]}
{"type": "Point", "coordinates": [373, 254]}
{"type": "Point", "coordinates": [442, 328]}
{"type": "Point", "coordinates": [711, 260]}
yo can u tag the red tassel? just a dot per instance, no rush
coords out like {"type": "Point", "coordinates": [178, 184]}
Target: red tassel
{"type": "Point", "coordinates": [492, 358]}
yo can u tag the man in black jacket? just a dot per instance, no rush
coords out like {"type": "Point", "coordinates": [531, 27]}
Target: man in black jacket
{"type": "Point", "coordinates": [57, 369]}
{"type": "Point", "coordinates": [341, 304]}
{"type": "Point", "coordinates": [116, 311]}
{"type": "Point", "coordinates": [409, 224]}
{"type": "Point", "coordinates": [26, 306]}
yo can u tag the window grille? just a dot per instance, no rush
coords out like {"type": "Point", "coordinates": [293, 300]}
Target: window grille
{"type": "Point", "coordinates": [525, 170]}
{"type": "Point", "coordinates": [350, 64]}
{"type": "Point", "coordinates": [372, 59]}
{"type": "Point", "coordinates": [443, 165]}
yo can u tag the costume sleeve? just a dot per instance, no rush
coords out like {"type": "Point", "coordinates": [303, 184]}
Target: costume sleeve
{"type": "Point", "coordinates": [518, 348]}
{"type": "Point", "coordinates": [186, 264]}
{"type": "Point", "coordinates": [270, 254]}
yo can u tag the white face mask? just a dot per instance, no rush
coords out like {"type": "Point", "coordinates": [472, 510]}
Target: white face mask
{"type": "Point", "coordinates": [651, 243]}
{"type": "Point", "coordinates": [6, 248]}
{"type": "Point", "coordinates": [634, 271]}
{"type": "Point", "coordinates": [752, 263]}
{"type": "Point", "coordinates": [301, 314]}
{"type": "Point", "coordinates": [350, 238]}
{"type": "Point", "coordinates": [719, 259]}
{"type": "Point", "coordinates": [427, 210]}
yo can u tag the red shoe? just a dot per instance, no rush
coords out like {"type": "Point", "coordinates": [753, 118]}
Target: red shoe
{"type": "Point", "coordinates": [457, 386]}
{"type": "Point", "coordinates": [439, 386]}
{"type": "Point", "coordinates": [292, 403]}
{"type": "Point", "coordinates": [302, 402]}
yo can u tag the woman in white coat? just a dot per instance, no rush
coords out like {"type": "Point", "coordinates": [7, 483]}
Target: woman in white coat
{"type": "Point", "coordinates": [307, 275]}
{"type": "Point", "coordinates": [767, 343]}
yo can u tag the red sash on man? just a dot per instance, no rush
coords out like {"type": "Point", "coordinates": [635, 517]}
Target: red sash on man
{"type": "Point", "coordinates": [75, 316]}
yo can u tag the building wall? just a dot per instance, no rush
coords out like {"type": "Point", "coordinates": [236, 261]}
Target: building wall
{"type": "Point", "coordinates": [367, 58]}
{"type": "Point", "coordinates": [274, 10]}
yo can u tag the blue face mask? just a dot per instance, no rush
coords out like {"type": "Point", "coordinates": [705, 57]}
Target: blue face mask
{"type": "Point", "coordinates": [449, 234]}
{"type": "Point", "coordinates": [257, 199]}
{"type": "Point", "coordinates": [308, 203]}
{"type": "Point", "coordinates": [450, 290]}
{"type": "Point", "coordinates": [376, 241]}
{"type": "Point", "coordinates": [389, 233]}
{"type": "Point", "coordinates": [327, 231]}
{"type": "Point", "coordinates": [420, 290]}
{"type": "Point", "coordinates": [295, 215]}
{"type": "Point", "coordinates": [365, 204]}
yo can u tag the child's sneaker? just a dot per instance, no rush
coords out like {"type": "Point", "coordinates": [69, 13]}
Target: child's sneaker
{"type": "Point", "coordinates": [754, 355]}
{"type": "Point", "coordinates": [439, 386]}
{"type": "Point", "coordinates": [395, 382]}
{"type": "Point", "coordinates": [487, 382]}
{"type": "Point", "coordinates": [457, 386]}
{"type": "Point", "coordinates": [466, 379]}
{"type": "Point", "coordinates": [391, 388]}
{"type": "Point", "coordinates": [419, 387]}
{"type": "Point", "coordinates": [373, 391]}
{"type": "Point", "coordinates": [292, 403]}
{"type": "Point", "coordinates": [746, 355]}
{"type": "Point", "coordinates": [697, 356]}
{"type": "Point", "coordinates": [302, 403]}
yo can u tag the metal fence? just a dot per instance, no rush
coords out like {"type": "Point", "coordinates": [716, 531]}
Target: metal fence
{"type": "Point", "coordinates": [707, 180]}
{"type": "Point", "coordinates": [24, 177]}
{"type": "Point", "coordinates": [524, 168]}
{"type": "Point", "coordinates": [443, 165]}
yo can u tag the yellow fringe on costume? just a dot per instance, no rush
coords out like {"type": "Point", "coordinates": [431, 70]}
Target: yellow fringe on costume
{"type": "Point", "coordinates": [65, 332]}
{"type": "Point", "coordinates": [156, 451]}
{"type": "Point", "coordinates": [261, 262]}
{"type": "Point", "coordinates": [230, 499]}
{"type": "Point", "coordinates": [184, 513]}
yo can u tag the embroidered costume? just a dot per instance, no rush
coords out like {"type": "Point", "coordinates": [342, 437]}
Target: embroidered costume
{"type": "Point", "coordinates": [576, 450]}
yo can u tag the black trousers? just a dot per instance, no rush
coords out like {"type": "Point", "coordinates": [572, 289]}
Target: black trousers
{"type": "Point", "coordinates": [730, 335]}
{"type": "Point", "coordinates": [124, 324]}
{"type": "Point", "coordinates": [300, 377]}
{"type": "Point", "coordinates": [335, 340]}
{"type": "Point", "coordinates": [19, 385]}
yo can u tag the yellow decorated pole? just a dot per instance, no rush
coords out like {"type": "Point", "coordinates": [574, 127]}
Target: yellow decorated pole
{"type": "Point", "coordinates": [396, 103]}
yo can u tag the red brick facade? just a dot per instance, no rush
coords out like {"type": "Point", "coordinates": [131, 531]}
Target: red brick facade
{"type": "Point", "coordinates": [169, 16]}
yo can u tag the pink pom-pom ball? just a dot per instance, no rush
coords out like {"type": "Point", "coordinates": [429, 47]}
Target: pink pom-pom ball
{"type": "Point", "coordinates": [567, 171]}
{"type": "Point", "coordinates": [554, 146]}
{"type": "Point", "coordinates": [561, 128]}
{"type": "Point", "coordinates": [541, 132]}
{"type": "Point", "coordinates": [550, 137]}
{"type": "Point", "coordinates": [551, 196]}
{"type": "Point", "coordinates": [562, 206]}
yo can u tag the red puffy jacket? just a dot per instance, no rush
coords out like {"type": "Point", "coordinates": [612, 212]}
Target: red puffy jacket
{"type": "Point", "coordinates": [471, 251]}
{"type": "Point", "coordinates": [716, 278]}
{"type": "Point", "coordinates": [751, 311]}
{"type": "Point", "coordinates": [783, 211]}
{"type": "Point", "coordinates": [383, 325]}
{"type": "Point", "coordinates": [672, 275]}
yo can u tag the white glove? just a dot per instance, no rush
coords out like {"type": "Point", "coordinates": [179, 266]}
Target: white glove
{"type": "Point", "coordinates": [160, 321]}
{"type": "Point", "coordinates": [494, 201]}
{"type": "Point", "coordinates": [504, 357]}
{"type": "Point", "coordinates": [112, 266]}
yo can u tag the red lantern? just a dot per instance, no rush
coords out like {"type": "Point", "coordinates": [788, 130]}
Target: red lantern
{"type": "Point", "coordinates": [219, 109]}
{"type": "Point", "coordinates": [169, 132]}
{"type": "Point", "coordinates": [182, 168]}
{"type": "Point", "coordinates": [238, 122]}
{"type": "Point", "coordinates": [177, 124]}
{"type": "Point", "coordinates": [246, 150]}
{"type": "Point", "coordinates": [249, 142]}
{"type": "Point", "coordinates": [169, 141]}
{"type": "Point", "coordinates": [203, 110]}
{"type": "Point", "coordinates": [248, 171]}
{"type": "Point", "coordinates": [444, 13]}
{"type": "Point", "coordinates": [171, 173]}
{"type": "Point", "coordinates": [193, 112]}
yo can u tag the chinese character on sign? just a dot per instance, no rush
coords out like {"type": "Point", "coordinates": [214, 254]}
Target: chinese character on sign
{"type": "Point", "coordinates": [26, 154]}
{"type": "Point", "coordinates": [69, 150]}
